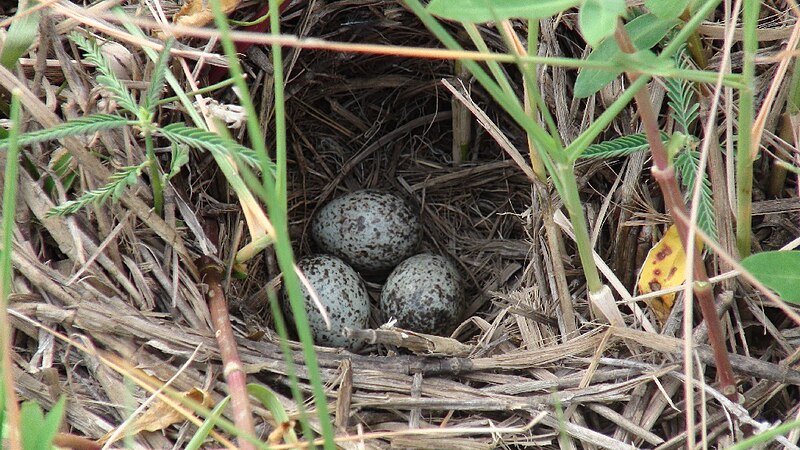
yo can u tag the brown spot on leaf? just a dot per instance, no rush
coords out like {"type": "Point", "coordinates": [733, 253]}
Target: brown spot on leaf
{"type": "Point", "coordinates": [661, 255]}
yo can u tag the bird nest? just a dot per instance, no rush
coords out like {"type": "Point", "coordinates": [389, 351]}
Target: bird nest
{"type": "Point", "coordinates": [110, 294]}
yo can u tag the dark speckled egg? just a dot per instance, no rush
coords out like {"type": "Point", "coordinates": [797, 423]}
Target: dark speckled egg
{"type": "Point", "coordinates": [343, 294]}
{"type": "Point", "coordinates": [424, 293]}
{"type": "Point", "coordinates": [370, 230]}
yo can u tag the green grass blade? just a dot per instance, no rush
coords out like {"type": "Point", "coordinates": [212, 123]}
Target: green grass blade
{"type": "Point", "coordinates": [276, 203]}
{"type": "Point", "coordinates": [291, 370]}
{"type": "Point", "coordinates": [31, 419]}
{"type": "Point", "coordinates": [3, 424]}
{"type": "Point", "coordinates": [9, 196]}
{"type": "Point", "coordinates": [744, 160]}
{"type": "Point", "coordinates": [760, 440]}
{"type": "Point", "coordinates": [6, 243]}
{"type": "Point", "coordinates": [202, 433]}
{"type": "Point", "coordinates": [511, 104]}
{"type": "Point", "coordinates": [21, 34]}
{"type": "Point", "coordinates": [481, 11]}
{"type": "Point", "coordinates": [39, 429]}
{"type": "Point", "coordinates": [271, 402]}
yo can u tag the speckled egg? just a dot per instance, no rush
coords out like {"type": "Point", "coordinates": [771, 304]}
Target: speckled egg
{"type": "Point", "coordinates": [373, 231]}
{"type": "Point", "coordinates": [424, 293]}
{"type": "Point", "coordinates": [343, 294]}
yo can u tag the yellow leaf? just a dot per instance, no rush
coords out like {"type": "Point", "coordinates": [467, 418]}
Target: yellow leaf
{"type": "Point", "coordinates": [196, 13]}
{"type": "Point", "coordinates": [664, 267]}
{"type": "Point", "coordinates": [161, 415]}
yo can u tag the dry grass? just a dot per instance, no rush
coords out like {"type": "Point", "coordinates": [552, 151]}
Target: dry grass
{"type": "Point", "coordinates": [112, 291]}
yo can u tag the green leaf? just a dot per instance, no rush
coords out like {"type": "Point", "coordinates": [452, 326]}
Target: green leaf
{"type": "Point", "coordinates": [205, 140]}
{"type": "Point", "coordinates": [118, 181]}
{"type": "Point", "coordinates": [273, 404]}
{"type": "Point", "coordinates": [40, 429]}
{"type": "Point", "coordinates": [778, 270]}
{"type": "Point", "coordinates": [687, 163]}
{"type": "Point", "coordinates": [645, 61]}
{"type": "Point", "coordinates": [670, 9]}
{"type": "Point", "coordinates": [84, 125]}
{"type": "Point", "coordinates": [31, 417]}
{"type": "Point", "coordinates": [53, 422]}
{"type": "Point", "coordinates": [180, 157]}
{"type": "Point", "coordinates": [158, 78]}
{"type": "Point", "coordinates": [62, 166]}
{"type": "Point", "coordinates": [681, 94]}
{"type": "Point", "coordinates": [598, 19]}
{"type": "Point", "coordinates": [645, 32]}
{"type": "Point", "coordinates": [107, 77]}
{"type": "Point", "coordinates": [21, 34]}
{"type": "Point", "coordinates": [481, 11]}
{"type": "Point", "coordinates": [202, 433]}
{"type": "Point", "coordinates": [621, 146]}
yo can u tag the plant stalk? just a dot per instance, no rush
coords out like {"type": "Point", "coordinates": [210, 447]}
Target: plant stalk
{"type": "Point", "coordinates": [664, 174]}
{"type": "Point", "coordinates": [744, 160]}
{"type": "Point", "coordinates": [572, 201]}
{"type": "Point", "coordinates": [235, 376]}
{"type": "Point", "coordinates": [155, 172]}
{"type": "Point", "coordinates": [533, 48]}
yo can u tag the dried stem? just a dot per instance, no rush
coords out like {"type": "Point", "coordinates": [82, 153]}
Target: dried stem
{"type": "Point", "coordinates": [235, 377]}
{"type": "Point", "coordinates": [664, 174]}
{"type": "Point", "coordinates": [75, 442]}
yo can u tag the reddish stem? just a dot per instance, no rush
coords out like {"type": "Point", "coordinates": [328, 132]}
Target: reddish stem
{"type": "Point", "coordinates": [664, 174]}
{"type": "Point", "coordinates": [235, 377]}
{"type": "Point", "coordinates": [75, 442]}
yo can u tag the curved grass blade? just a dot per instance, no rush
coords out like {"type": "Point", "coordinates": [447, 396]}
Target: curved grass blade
{"type": "Point", "coordinates": [21, 34]}
{"type": "Point", "coordinates": [202, 433]}
{"type": "Point", "coordinates": [271, 402]}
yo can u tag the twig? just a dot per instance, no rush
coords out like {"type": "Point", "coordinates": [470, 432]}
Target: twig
{"type": "Point", "coordinates": [235, 376]}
